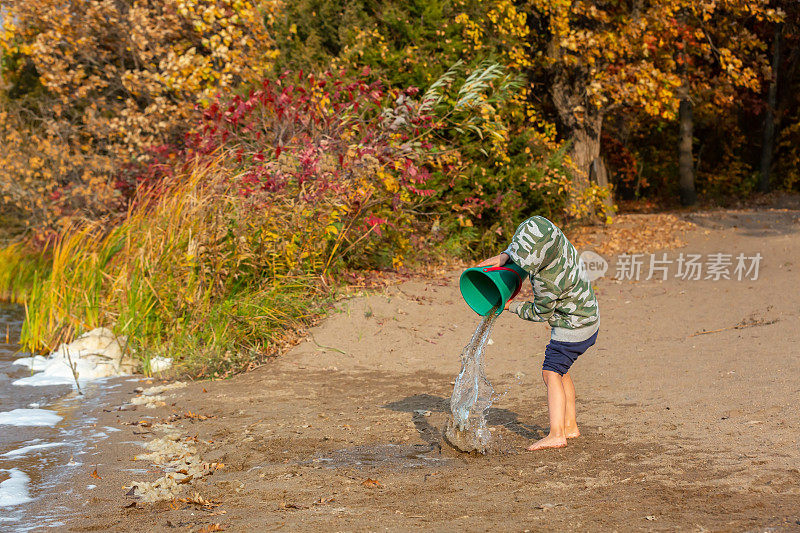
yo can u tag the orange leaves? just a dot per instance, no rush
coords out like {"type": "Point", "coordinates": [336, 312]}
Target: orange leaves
{"type": "Point", "coordinates": [118, 100]}
{"type": "Point", "coordinates": [197, 499]}
{"type": "Point", "coordinates": [637, 57]}
{"type": "Point", "coordinates": [192, 416]}
{"type": "Point", "coordinates": [640, 233]}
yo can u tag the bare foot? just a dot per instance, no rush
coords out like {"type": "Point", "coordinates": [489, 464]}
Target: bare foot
{"type": "Point", "coordinates": [572, 432]}
{"type": "Point", "coordinates": [548, 442]}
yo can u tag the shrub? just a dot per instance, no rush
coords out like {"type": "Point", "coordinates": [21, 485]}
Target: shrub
{"type": "Point", "coordinates": [236, 240]}
{"type": "Point", "coordinates": [348, 154]}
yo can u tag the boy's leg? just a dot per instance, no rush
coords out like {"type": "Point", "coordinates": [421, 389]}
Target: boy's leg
{"type": "Point", "coordinates": [570, 423]}
{"type": "Point", "coordinates": [556, 404]}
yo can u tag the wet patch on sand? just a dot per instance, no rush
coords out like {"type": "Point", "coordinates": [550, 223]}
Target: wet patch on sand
{"type": "Point", "coordinates": [390, 456]}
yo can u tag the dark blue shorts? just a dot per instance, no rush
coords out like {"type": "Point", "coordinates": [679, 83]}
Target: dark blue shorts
{"type": "Point", "coordinates": [559, 355]}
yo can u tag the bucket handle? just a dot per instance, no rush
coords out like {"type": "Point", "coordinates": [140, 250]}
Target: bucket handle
{"type": "Point", "coordinates": [519, 286]}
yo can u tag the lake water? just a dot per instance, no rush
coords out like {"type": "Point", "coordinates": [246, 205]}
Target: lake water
{"type": "Point", "coordinates": [37, 460]}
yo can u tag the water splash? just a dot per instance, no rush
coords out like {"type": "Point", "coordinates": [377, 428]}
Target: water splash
{"type": "Point", "coordinates": [472, 394]}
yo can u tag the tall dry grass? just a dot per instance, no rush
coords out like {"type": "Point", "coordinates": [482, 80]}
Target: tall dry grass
{"type": "Point", "coordinates": [20, 270]}
{"type": "Point", "coordinates": [197, 273]}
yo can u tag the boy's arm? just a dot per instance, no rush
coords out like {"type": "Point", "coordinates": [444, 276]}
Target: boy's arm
{"type": "Point", "coordinates": [539, 310]}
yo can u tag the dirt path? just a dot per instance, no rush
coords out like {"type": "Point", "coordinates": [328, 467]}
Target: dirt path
{"type": "Point", "coordinates": [680, 431]}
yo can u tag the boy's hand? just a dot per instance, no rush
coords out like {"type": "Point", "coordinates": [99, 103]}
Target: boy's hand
{"type": "Point", "coordinates": [496, 261]}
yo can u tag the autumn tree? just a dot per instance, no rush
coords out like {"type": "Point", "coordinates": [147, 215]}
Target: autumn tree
{"type": "Point", "coordinates": [92, 85]}
{"type": "Point", "coordinates": [780, 121]}
{"type": "Point", "coordinates": [655, 56]}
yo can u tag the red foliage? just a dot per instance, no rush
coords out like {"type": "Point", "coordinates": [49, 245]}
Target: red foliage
{"type": "Point", "coordinates": [315, 134]}
{"type": "Point", "coordinates": [335, 140]}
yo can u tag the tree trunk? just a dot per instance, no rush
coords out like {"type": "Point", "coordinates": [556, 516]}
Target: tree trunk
{"type": "Point", "coordinates": [768, 141]}
{"type": "Point", "coordinates": [585, 123]}
{"type": "Point", "coordinates": [585, 152]}
{"type": "Point", "coordinates": [685, 158]}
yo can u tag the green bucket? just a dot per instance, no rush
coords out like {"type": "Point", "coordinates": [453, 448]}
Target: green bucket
{"type": "Point", "coordinates": [485, 287]}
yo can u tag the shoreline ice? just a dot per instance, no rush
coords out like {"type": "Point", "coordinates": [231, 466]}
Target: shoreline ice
{"type": "Point", "coordinates": [160, 364]}
{"type": "Point", "coordinates": [14, 490]}
{"type": "Point", "coordinates": [95, 355]}
{"type": "Point", "coordinates": [29, 417]}
{"type": "Point", "coordinates": [19, 452]}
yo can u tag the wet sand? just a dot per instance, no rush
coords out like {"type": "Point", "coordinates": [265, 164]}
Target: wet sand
{"type": "Point", "coordinates": [681, 429]}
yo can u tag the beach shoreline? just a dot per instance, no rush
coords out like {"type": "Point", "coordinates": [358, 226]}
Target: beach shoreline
{"type": "Point", "coordinates": [344, 431]}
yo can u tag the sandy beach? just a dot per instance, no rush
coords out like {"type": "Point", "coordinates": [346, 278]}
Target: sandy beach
{"type": "Point", "coordinates": [687, 408]}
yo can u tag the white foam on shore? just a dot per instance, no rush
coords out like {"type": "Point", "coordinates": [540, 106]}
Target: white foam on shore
{"type": "Point", "coordinates": [30, 448]}
{"type": "Point", "coordinates": [159, 364]}
{"type": "Point", "coordinates": [29, 417]}
{"type": "Point", "coordinates": [94, 355]}
{"type": "Point", "coordinates": [14, 490]}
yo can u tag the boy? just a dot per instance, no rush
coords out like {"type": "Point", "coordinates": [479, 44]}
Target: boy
{"type": "Point", "coordinates": [563, 297]}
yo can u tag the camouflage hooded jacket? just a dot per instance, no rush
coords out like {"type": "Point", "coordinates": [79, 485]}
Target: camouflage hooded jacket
{"type": "Point", "coordinates": [563, 296]}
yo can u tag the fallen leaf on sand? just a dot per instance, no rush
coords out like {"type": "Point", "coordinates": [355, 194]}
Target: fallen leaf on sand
{"type": "Point", "coordinates": [196, 499]}
{"type": "Point", "coordinates": [95, 475]}
{"type": "Point", "coordinates": [633, 233]}
{"type": "Point", "coordinates": [140, 423]}
{"type": "Point", "coordinates": [285, 505]}
{"type": "Point", "coordinates": [369, 482]}
{"type": "Point", "coordinates": [187, 415]}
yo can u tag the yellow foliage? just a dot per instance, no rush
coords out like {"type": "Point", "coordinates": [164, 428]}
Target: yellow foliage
{"type": "Point", "coordinates": [640, 57]}
{"type": "Point", "coordinates": [118, 77]}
